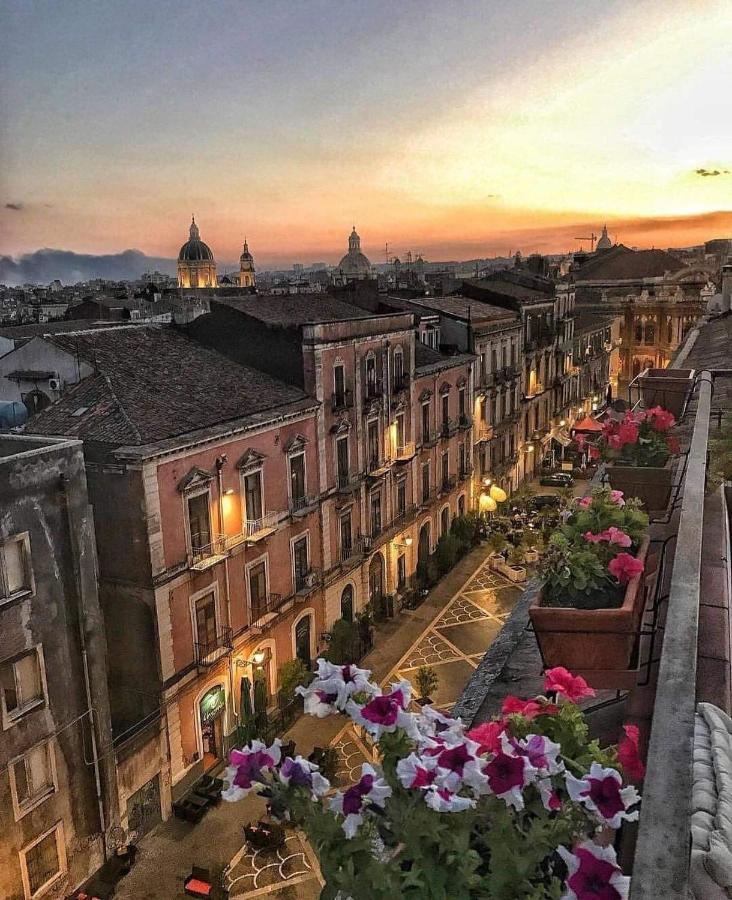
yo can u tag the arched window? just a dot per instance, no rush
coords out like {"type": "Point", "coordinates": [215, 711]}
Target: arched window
{"type": "Point", "coordinates": [347, 603]}
{"type": "Point", "coordinates": [302, 640]}
{"type": "Point", "coordinates": [445, 520]}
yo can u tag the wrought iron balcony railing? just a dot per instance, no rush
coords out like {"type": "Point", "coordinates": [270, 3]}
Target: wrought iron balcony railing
{"type": "Point", "coordinates": [207, 653]}
{"type": "Point", "coordinates": [264, 608]}
{"type": "Point", "coordinates": [341, 400]}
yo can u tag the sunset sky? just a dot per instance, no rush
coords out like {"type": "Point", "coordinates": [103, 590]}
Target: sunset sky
{"type": "Point", "coordinates": [456, 129]}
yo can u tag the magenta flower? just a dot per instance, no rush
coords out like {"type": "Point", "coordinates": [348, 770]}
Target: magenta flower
{"type": "Point", "coordinates": [369, 791]}
{"type": "Point", "coordinates": [384, 713]}
{"type": "Point", "coordinates": [333, 686]}
{"type": "Point", "coordinates": [415, 772]}
{"type": "Point", "coordinates": [444, 800]}
{"type": "Point", "coordinates": [507, 776]}
{"type": "Point", "coordinates": [549, 797]}
{"type": "Point", "coordinates": [624, 567]}
{"type": "Point", "coordinates": [629, 754]}
{"type": "Point", "coordinates": [593, 873]}
{"type": "Point", "coordinates": [617, 536]}
{"type": "Point", "coordinates": [248, 767]}
{"type": "Point", "coordinates": [487, 736]}
{"type": "Point", "coordinates": [617, 498]}
{"type": "Point", "coordinates": [541, 753]}
{"type": "Point", "coordinates": [561, 681]}
{"type": "Point", "coordinates": [660, 419]}
{"type": "Point", "coordinates": [584, 502]}
{"type": "Point", "coordinates": [602, 793]}
{"type": "Point", "coordinates": [300, 772]}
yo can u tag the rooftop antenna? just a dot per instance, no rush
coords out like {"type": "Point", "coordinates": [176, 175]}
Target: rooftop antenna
{"type": "Point", "coordinates": [592, 238]}
{"type": "Point", "coordinates": [386, 252]}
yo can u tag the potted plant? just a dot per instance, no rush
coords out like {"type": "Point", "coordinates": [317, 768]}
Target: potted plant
{"type": "Point", "coordinates": [511, 567]}
{"type": "Point", "coordinates": [668, 388]}
{"type": "Point", "coordinates": [427, 681]}
{"type": "Point", "coordinates": [497, 543]}
{"type": "Point", "coordinates": [587, 613]}
{"type": "Point", "coordinates": [519, 808]}
{"type": "Point", "coordinates": [639, 452]}
{"type": "Point", "coordinates": [532, 543]}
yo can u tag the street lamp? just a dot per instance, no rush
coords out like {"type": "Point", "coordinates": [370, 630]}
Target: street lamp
{"type": "Point", "coordinates": [497, 493]}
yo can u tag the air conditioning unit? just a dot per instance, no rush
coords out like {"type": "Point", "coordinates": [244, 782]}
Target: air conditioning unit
{"type": "Point", "coordinates": [54, 384]}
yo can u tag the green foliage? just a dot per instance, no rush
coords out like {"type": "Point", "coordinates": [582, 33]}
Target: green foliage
{"type": "Point", "coordinates": [426, 573]}
{"type": "Point", "coordinates": [446, 553]}
{"type": "Point", "coordinates": [344, 638]}
{"type": "Point", "coordinates": [427, 681]}
{"type": "Point", "coordinates": [465, 529]}
{"type": "Point", "coordinates": [290, 675]}
{"type": "Point", "coordinates": [497, 542]}
{"type": "Point", "coordinates": [516, 555]}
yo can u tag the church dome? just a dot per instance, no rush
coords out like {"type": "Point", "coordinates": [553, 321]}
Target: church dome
{"type": "Point", "coordinates": [194, 249]}
{"type": "Point", "coordinates": [355, 264]}
{"type": "Point", "coordinates": [246, 256]}
{"type": "Point", "coordinates": [604, 243]}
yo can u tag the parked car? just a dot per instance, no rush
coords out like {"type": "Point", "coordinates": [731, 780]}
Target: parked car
{"type": "Point", "coordinates": [557, 479]}
{"type": "Point", "coordinates": [542, 500]}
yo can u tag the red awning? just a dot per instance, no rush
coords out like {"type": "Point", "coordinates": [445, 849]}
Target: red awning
{"type": "Point", "coordinates": [587, 424]}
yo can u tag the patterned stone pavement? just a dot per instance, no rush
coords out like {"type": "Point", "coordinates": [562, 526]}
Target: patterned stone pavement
{"type": "Point", "coordinates": [453, 644]}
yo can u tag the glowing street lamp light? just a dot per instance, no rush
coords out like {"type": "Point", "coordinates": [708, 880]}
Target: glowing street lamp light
{"type": "Point", "coordinates": [498, 494]}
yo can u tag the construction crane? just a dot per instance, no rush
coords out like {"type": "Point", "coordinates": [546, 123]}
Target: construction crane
{"type": "Point", "coordinates": [592, 238]}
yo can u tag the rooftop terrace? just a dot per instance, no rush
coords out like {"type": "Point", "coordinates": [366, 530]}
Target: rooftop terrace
{"type": "Point", "coordinates": [683, 646]}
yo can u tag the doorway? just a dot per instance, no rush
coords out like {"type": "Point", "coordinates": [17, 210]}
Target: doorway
{"type": "Point", "coordinates": [302, 641]}
{"type": "Point", "coordinates": [211, 716]}
{"type": "Point", "coordinates": [423, 547]}
{"type": "Point", "coordinates": [376, 580]}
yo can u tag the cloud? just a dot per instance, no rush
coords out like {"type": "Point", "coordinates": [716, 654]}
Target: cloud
{"type": "Point", "coordinates": [711, 173]}
{"type": "Point", "coordinates": [42, 266]}
{"type": "Point", "coordinates": [16, 206]}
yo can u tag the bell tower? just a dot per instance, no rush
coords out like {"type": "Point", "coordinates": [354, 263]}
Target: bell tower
{"type": "Point", "coordinates": [247, 277]}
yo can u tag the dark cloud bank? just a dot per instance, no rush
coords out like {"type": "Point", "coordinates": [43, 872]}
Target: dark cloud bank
{"type": "Point", "coordinates": [43, 266]}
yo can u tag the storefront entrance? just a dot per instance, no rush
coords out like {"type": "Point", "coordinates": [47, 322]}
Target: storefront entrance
{"type": "Point", "coordinates": [211, 712]}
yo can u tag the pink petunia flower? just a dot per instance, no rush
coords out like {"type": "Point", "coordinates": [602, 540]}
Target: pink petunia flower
{"type": "Point", "coordinates": [541, 753]}
{"type": "Point", "coordinates": [333, 686]}
{"type": "Point", "coordinates": [593, 452]}
{"type": "Point", "coordinates": [629, 754]}
{"type": "Point", "coordinates": [617, 536]}
{"type": "Point", "coordinates": [248, 767]}
{"type": "Point", "coordinates": [549, 797]}
{"type": "Point", "coordinates": [443, 800]}
{"type": "Point", "coordinates": [660, 419]}
{"type": "Point", "coordinates": [673, 445]}
{"type": "Point", "coordinates": [487, 736]}
{"type": "Point", "coordinates": [614, 442]}
{"type": "Point", "coordinates": [384, 713]}
{"type": "Point", "coordinates": [584, 502]}
{"type": "Point", "coordinates": [628, 433]}
{"type": "Point", "coordinates": [507, 776]}
{"type": "Point", "coordinates": [300, 772]}
{"type": "Point", "coordinates": [594, 538]}
{"type": "Point", "coordinates": [369, 791]}
{"type": "Point", "coordinates": [416, 772]}
{"type": "Point", "coordinates": [593, 873]}
{"type": "Point", "coordinates": [529, 709]}
{"type": "Point", "coordinates": [616, 497]}
{"type": "Point", "coordinates": [624, 567]}
{"type": "Point", "coordinates": [602, 793]}
{"type": "Point", "coordinates": [560, 681]}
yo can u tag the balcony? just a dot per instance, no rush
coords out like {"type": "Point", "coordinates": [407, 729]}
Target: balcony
{"type": "Point", "coordinates": [465, 473]}
{"type": "Point", "coordinates": [483, 432]}
{"type": "Point", "coordinates": [427, 496]}
{"type": "Point", "coordinates": [206, 552]}
{"type": "Point", "coordinates": [346, 483]}
{"type": "Point", "coordinates": [351, 551]}
{"type": "Point", "coordinates": [261, 528]}
{"type": "Point", "coordinates": [301, 506]}
{"type": "Point", "coordinates": [430, 438]}
{"type": "Point", "coordinates": [341, 401]}
{"type": "Point", "coordinates": [449, 429]}
{"type": "Point", "coordinates": [447, 484]}
{"type": "Point", "coordinates": [400, 383]}
{"type": "Point", "coordinates": [405, 452]}
{"type": "Point", "coordinates": [208, 653]}
{"type": "Point", "coordinates": [487, 381]}
{"type": "Point", "coordinates": [464, 421]}
{"type": "Point", "coordinates": [265, 609]}
{"type": "Point", "coordinates": [308, 581]}
{"type": "Point", "coordinates": [373, 390]}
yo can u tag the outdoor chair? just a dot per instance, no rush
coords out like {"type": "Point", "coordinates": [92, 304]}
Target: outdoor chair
{"type": "Point", "coordinates": [288, 749]}
{"type": "Point", "coordinates": [198, 883]}
{"type": "Point", "coordinates": [209, 788]}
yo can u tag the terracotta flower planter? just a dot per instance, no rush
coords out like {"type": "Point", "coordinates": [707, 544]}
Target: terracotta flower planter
{"type": "Point", "coordinates": [650, 484]}
{"type": "Point", "coordinates": [595, 643]}
{"type": "Point", "coordinates": [668, 388]}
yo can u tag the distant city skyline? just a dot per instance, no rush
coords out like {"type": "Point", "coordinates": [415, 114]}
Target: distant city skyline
{"type": "Point", "coordinates": [458, 132]}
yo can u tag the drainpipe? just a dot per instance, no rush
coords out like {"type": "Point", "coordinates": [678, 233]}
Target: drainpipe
{"type": "Point", "coordinates": [84, 659]}
{"type": "Point", "coordinates": [220, 463]}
